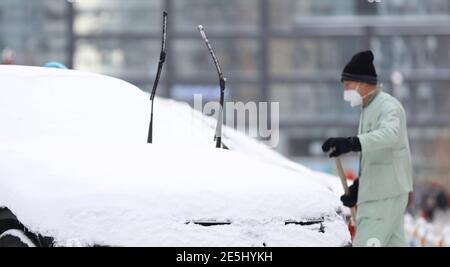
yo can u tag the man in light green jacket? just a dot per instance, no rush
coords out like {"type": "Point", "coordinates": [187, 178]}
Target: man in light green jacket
{"type": "Point", "coordinates": [385, 174]}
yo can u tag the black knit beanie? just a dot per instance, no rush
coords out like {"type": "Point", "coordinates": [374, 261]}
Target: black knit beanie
{"type": "Point", "coordinates": [360, 69]}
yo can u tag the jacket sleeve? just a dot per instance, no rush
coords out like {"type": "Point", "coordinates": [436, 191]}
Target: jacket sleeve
{"type": "Point", "coordinates": [387, 130]}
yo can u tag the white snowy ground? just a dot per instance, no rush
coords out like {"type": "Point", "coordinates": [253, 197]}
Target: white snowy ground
{"type": "Point", "coordinates": [74, 165]}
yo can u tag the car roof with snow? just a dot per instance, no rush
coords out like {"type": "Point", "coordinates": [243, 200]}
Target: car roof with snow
{"type": "Point", "coordinates": [75, 166]}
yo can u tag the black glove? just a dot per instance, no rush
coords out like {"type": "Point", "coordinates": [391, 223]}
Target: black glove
{"type": "Point", "coordinates": [341, 145]}
{"type": "Point", "coordinates": [351, 200]}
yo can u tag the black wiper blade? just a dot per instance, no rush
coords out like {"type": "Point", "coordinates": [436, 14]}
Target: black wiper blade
{"type": "Point", "coordinates": [222, 81]}
{"type": "Point", "coordinates": [162, 59]}
{"type": "Point", "coordinates": [305, 222]}
{"type": "Point", "coordinates": [209, 222]}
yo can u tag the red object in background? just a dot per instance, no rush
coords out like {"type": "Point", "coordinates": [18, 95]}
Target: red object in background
{"type": "Point", "coordinates": [352, 225]}
{"type": "Point", "coordinates": [7, 57]}
{"type": "Point", "coordinates": [352, 230]}
{"type": "Point", "coordinates": [350, 175]}
{"type": "Point", "coordinates": [423, 214]}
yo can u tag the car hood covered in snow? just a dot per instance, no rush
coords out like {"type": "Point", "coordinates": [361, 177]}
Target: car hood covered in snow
{"type": "Point", "coordinates": [75, 165]}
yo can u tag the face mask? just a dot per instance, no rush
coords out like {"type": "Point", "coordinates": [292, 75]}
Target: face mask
{"type": "Point", "coordinates": [353, 97]}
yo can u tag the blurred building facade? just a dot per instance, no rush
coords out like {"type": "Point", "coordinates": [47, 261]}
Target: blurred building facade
{"type": "Point", "coordinates": [290, 51]}
{"type": "Point", "coordinates": [35, 31]}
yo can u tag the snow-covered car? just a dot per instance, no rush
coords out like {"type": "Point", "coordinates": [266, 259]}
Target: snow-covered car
{"type": "Point", "coordinates": [76, 170]}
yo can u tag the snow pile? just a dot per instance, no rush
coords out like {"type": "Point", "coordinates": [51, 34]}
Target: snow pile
{"type": "Point", "coordinates": [75, 166]}
{"type": "Point", "coordinates": [51, 105]}
{"type": "Point", "coordinates": [150, 189]}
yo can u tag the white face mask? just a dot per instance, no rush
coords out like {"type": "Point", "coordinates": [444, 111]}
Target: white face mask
{"type": "Point", "coordinates": [353, 97]}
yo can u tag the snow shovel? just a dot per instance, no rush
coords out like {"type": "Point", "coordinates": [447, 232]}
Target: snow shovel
{"type": "Point", "coordinates": [340, 170]}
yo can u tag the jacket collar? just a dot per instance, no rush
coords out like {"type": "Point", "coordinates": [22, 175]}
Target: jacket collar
{"type": "Point", "coordinates": [373, 96]}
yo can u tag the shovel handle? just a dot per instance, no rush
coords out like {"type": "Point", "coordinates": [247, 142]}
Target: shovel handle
{"type": "Point", "coordinates": [341, 173]}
